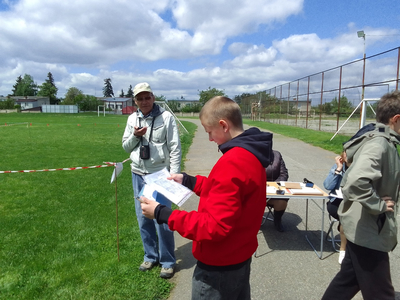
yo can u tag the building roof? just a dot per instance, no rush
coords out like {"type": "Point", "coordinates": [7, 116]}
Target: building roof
{"type": "Point", "coordinates": [26, 100]}
{"type": "Point", "coordinates": [29, 98]}
{"type": "Point", "coordinates": [115, 99]}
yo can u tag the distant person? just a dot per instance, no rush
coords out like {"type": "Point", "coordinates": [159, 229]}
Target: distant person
{"type": "Point", "coordinates": [277, 172]}
{"type": "Point", "coordinates": [370, 206]}
{"type": "Point", "coordinates": [332, 183]}
{"type": "Point", "coordinates": [232, 203]}
{"type": "Point", "coordinates": [152, 139]}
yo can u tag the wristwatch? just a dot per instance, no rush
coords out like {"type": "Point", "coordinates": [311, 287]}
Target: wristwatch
{"type": "Point", "coordinates": [337, 171]}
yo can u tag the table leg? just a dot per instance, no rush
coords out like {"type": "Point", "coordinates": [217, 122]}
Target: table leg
{"type": "Point", "coordinates": [322, 230]}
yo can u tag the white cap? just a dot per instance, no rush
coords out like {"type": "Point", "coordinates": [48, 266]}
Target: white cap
{"type": "Point", "coordinates": [141, 87]}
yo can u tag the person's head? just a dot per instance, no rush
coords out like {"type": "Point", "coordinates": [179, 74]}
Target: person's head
{"type": "Point", "coordinates": [388, 110]}
{"type": "Point", "coordinates": [222, 119]}
{"type": "Point", "coordinates": [144, 97]}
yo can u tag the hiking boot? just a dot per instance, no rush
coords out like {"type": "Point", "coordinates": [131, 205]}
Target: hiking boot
{"type": "Point", "coordinates": [167, 273]}
{"type": "Point", "coordinates": [146, 265]}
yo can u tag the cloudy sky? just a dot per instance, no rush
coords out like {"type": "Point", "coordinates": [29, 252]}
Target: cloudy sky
{"type": "Point", "coordinates": [184, 46]}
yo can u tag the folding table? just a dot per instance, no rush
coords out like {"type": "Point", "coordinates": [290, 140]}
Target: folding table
{"type": "Point", "coordinates": [313, 197]}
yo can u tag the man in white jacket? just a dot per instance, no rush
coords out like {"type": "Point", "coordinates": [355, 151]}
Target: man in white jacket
{"type": "Point", "coordinates": [151, 137]}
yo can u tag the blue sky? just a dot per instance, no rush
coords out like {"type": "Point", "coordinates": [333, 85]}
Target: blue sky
{"type": "Point", "coordinates": [183, 46]}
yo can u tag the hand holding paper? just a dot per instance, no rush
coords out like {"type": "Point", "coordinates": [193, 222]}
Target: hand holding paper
{"type": "Point", "coordinates": [176, 177]}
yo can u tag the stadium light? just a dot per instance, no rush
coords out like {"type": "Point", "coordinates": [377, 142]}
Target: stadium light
{"type": "Point", "coordinates": [361, 34]}
{"type": "Point", "coordinates": [363, 115]}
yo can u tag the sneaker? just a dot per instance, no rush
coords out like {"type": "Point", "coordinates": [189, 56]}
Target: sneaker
{"type": "Point", "coordinates": [341, 256]}
{"type": "Point", "coordinates": [146, 265]}
{"type": "Point", "coordinates": [167, 272]}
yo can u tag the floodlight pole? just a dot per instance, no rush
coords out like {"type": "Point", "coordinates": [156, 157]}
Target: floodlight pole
{"type": "Point", "coordinates": [363, 115]}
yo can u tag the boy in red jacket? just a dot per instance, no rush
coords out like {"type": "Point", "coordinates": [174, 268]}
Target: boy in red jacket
{"type": "Point", "coordinates": [232, 202]}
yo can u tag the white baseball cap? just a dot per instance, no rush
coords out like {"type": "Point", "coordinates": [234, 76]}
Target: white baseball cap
{"type": "Point", "coordinates": [141, 87]}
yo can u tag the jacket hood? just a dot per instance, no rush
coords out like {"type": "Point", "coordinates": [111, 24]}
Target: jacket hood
{"type": "Point", "coordinates": [366, 133]}
{"type": "Point", "coordinates": [157, 110]}
{"type": "Point", "coordinates": [255, 141]}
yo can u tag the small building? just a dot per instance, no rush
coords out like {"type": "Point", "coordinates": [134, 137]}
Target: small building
{"type": "Point", "coordinates": [120, 105]}
{"type": "Point", "coordinates": [301, 105]}
{"type": "Point", "coordinates": [31, 102]}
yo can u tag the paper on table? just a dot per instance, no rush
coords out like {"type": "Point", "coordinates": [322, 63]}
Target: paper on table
{"type": "Point", "coordinates": [306, 191]}
{"type": "Point", "coordinates": [271, 190]}
{"type": "Point", "coordinates": [292, 185]}
{"type": "Point", "coordinates": [170, 189]}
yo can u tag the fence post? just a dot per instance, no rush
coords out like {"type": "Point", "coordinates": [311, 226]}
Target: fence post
{"type": "Point", "coordinates": [320, 106]}
{"type": "Point", "coordinates": [340, 90]}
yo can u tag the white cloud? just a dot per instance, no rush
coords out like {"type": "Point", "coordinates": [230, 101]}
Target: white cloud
{"type": "Point", "coordinates": [82, 42]}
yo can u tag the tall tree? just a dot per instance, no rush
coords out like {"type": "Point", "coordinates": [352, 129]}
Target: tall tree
{"type": "Point", "coordinates": [208, 94]}
{"type": "Point", "coordinates": [17, 85]}
{"type": "Point", "coordinates": [108, 89]}
{"type": "Point", "coordinates": [240, 98]}
{"type": "Point", "coordinates": [49, 89]}
{"type": "Point", "coordinates": [129, 93]}
{"type": "Point", "coordinates": [345, 106]}
{"type": "Point", "coordinates": [25, 87]}
{"type": "Point", "coordinates": [122, 93]}
{"type": "Point", "coordinates": [89, 103]}
{"type": "Point", "coordinates": [73, 96]}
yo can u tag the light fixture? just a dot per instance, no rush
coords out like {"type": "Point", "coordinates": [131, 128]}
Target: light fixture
{"type": "Point", "coordinates": [361, 34]}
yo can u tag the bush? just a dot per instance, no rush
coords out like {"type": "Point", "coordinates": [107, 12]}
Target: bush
{"type": "Point", "coordinates": [7, 104]}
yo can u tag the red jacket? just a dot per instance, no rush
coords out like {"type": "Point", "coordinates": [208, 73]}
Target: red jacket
{"type": "Point", "coordinates": [232, 203]}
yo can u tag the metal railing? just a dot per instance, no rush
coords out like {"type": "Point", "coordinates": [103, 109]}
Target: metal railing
{"type": "Point", "coordinates": [324, 100]}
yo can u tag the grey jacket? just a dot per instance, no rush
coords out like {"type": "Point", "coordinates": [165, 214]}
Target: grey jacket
{"type": "Point", "coordinates": [165, 146]}
{"type": "Point", "coordinates": [374, 172]}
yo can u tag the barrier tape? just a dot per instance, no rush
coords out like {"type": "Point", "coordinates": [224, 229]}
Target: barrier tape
{"type": "Point", "coordinates": [107, 164]}
{"type": "Point", "coordinates": [11, 124]}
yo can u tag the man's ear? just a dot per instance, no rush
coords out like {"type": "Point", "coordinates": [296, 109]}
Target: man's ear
{"type": "Point", "coordinates": [393, 119]}
{"type": "Point", "coordinates": [224, 124]}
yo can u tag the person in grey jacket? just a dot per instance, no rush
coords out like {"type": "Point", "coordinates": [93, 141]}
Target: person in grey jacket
{"type": "Point", "coordinates": [369, 208]}
{"type": "Point", "coordinates": [151, 137]}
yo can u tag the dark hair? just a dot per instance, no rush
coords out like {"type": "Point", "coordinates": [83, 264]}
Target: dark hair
{"type": "Point", "coordinates": [388, 107]}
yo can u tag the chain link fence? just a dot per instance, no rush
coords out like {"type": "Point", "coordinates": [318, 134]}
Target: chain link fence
{"type": "Point", "coordinates": [328, 100]}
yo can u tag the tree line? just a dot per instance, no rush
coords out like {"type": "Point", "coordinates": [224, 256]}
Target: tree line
{"type": "Point", "coordinates": [26, 86]}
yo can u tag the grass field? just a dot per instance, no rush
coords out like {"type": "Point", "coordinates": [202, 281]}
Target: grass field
{"type": "Point", "coordinates": [316, 138]}
{"type": "Point", "coordinates": [58, 229]}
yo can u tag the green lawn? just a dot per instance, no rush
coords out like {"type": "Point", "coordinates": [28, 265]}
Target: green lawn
{"type": "Point", "coordinates": [58, 229]}
{"type": "Point", "coordinates": [317, 138]}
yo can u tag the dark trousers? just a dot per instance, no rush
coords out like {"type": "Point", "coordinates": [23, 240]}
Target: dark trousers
{"type": "Point", "coordinates": [221, 283]}
{"type": "Point", "coordinates": [362, 269]}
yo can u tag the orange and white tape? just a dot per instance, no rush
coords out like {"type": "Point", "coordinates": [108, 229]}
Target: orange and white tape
{"type": "Point", "coordinates": [107, 164]}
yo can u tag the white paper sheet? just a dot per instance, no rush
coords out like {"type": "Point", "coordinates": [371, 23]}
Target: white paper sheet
{"type": "Point", "coordinates": [172, 190]}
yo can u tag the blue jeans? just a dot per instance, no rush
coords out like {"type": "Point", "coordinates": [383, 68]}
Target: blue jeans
{"type": "Point", "coordinates": [221, 284]}
{"type": "Point", "coordinates": [158, 241]}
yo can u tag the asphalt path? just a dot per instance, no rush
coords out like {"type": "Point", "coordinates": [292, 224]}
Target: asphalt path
{"type": "Point", "coordinates": [285, 266]}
